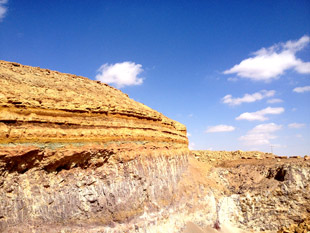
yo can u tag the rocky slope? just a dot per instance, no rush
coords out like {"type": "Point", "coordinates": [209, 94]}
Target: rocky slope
{"type": "Point", "coordinates": [261, 192]}
{"type": "Point", "coordinates": [39, 105]}
{"type": "Point", "coordinates": [77, 153]}
{"type": "Point", "coordinates": [80, 156]}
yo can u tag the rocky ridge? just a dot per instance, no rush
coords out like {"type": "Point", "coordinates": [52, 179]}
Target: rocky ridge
{"type": "Point", "coordinates": [47, 106]}
{"type": "Point", "coordinates": [78, 153]}
{"type": "Point", "coordinates": [80, 156]}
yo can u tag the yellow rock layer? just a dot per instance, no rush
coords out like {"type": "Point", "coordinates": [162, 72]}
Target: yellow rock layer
{"type": "Point", "coordinates": [43, 106]}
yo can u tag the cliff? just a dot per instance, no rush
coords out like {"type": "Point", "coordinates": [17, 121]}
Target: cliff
{"type": "Point", "coordinates": [39, 105]}
{"type": "Point", "coordinates": [78, 153]}
{"type": "Point", "coordinates": [261, 192]}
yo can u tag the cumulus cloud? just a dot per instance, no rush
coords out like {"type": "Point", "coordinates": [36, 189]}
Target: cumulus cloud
{"type": "Point", "coordinates": [303, 67]}
{"type": "Point", "coordinates": [120, 74]}
{"type": "Point", "coordinates": [265, 128]}
{"type": "Point", "coordinates": [248, 98]}
{"type": "Point", "coordinates": [301, 89]}
{"type": "Point", "coordinates": [3, 9]}
{"type": "Point", "coordinates": [270, 63]}
{"type": "Point", "coordinates": [274, 101]}
{"type": "Point", "coordinates": [296, 125]}
{"type": "Point", "coordinates": [260, 115]}
{"type": "Point", "coordinates": [260, 134]}
{"type": "Point", "coordinates": [220, 128]}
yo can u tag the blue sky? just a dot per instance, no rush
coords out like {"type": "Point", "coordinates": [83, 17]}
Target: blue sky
{"type": "Point", "coordinates": [236, 73]}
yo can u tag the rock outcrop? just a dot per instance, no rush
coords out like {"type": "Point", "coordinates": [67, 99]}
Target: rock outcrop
{"type": "Point", "coordinates": [260, 192]}
{"type": "Point", "coordinates": [78, 154]}
{"type": "Point", "coordinates": [267, 194]}
{"type": "Point", "coordinates": [217, 157]}
{"type": "Point", "coordinates": [39, 105]}
{"type": "Point", "coordinates": [302, 227]}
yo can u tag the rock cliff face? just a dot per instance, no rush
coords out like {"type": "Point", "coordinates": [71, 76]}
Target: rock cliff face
{"type": "Point", "coordinates": [260, 192]}
{"type": "Point", "coordinates": [79, 154]}
{"type": "Point", "coordinates": [39, 105]}
{"type": "Point", "coordinates": [266, 195]}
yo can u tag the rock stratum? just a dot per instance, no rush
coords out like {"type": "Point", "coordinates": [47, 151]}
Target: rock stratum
{"type": "Point", "coordinates": [77, 155]}
{"type": "Point", "coordinates": [77, 152]}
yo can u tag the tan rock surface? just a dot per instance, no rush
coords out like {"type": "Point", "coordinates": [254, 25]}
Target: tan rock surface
{"type": "Point", "coordinates": [302, 227]}
{"type": "Point", "coordinates": [47, 106]}
{"type": "Point", "coordinates": [42, 110]}
{"type": "Point", "coordinates": [259, 194]}
{"type": "Point", "coordinates": [216, 157]}
{"type": "Point", "coordinates": [78, 155]}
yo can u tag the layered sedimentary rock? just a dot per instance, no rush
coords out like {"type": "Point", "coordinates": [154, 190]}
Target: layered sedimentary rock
{"type": "Point", "coordinates": [39, 105]}
{"type": "Point", "coordinates": [80, 156]}
{"type": "Point", "coordinates": [78, 153]}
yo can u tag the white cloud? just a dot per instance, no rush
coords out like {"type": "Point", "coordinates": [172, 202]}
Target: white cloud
{"type": "Point", "coordinates": [296, 125]}
{"type": "Point", "coordinates": [269, 63]}
{"type": "Point", "coordinates": [248, 98]}
{"type": "Point", "coordinates": [260, 115]}
{"type": "Point", "coordinates": [3, 9]}
{"type": "Point", "coordinates": [260, 134]}
{"type": "Point", "coordinates": [303, 67]}
{"type": "Point", "coordinates": [120, 74]}
{"type": "Point", "coordinates": [301, 89]}
{"type": "Point", "coordinates": [265, 128]}
{"type": "Point", "coordinates": [188, 134]}
{"type": "Point", "coordinates": [274, 101]}
{"type": "Point", "coordinates": [220, 128]}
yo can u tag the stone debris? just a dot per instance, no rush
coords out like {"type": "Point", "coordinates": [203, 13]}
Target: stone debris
{"type": "Point", "coordinates": [303, 227]}
{"type": "Point", "coordinates": [262, 194]}
{"type": "Point", "coordinates": [219, 156]}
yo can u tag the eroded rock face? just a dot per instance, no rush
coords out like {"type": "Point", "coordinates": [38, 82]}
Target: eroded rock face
{"type": "Point", "coordinates": [79, 154]}
{"type": "Point", "coordinates": [264, 195]}
{"type": "Point", "coordinates": [39, 106]}
{"type": "Point", "coordinates": [106, 196]}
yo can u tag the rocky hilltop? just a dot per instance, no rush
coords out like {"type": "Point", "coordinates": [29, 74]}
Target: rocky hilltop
{"type": "Point", "coordinates": [77, 152]}
{"type": "Point", "coordinates": [77, 155]}
{"type": "Point", "coordinates": [40, 105]}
